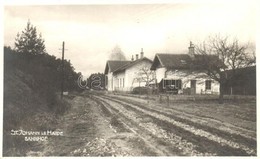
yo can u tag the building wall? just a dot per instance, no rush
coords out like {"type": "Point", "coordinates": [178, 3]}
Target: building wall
{"type": "Point", "coordinates": [119, 81]}
{"type": "Point", "coordinates": [160, 74]}
{"type": "Point", "coordinates": [132, 73]}
{"type": "Point", "coordinates": [109, 81]}
{"type": "Point", "coordinates": [186, 76]}
{"type": "Point", "coordinates": [129, 77]}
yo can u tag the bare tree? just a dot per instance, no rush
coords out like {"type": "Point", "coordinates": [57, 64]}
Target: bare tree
{"type": "Point", "coordinates": [117, 54]}
{"type": "Point", "coordinates": [146, 75]}
{"type": "Point", "coordinates": [221, 58]}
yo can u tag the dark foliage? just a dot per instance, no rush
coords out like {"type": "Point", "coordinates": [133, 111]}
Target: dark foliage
{"type": "Point", "coordinates": [97, 81]}
{"type": "Point", "coordinates": [31, 83]}
{"type": "Point", "coordinates": [142, 90]}
{"type": "Point", "coordinates": [32, 79]}
{"type": "Point", "coordinates": [45, 69]}
{"type": "Point", "coordinates": [29, 42]}
{"type": "Point", "coordinates": [243, 82]}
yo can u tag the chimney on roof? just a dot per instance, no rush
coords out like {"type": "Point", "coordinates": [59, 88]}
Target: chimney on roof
{"type": "Point", "coordinates": [191, 49]}
{"type": "Point", "coordinates": [142, 54]}
{"type": "Point", "coordinates": [136, 57]}
{"type": "Point", "coordinates": [132, 59]}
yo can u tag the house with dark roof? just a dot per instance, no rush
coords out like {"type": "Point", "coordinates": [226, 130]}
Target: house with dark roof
{"type": "Point", "coordinates": [111, 67]}
{"type": "Point", "coordinates": [123, 75]}
{"type": "Point", "coordinates": [178, 72]}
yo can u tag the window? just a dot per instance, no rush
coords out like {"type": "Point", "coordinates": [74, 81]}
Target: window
{"type": "Point", "coordinates": [208, 85]}
{"type": "Point", "coordinates": [183, 62]}
{"type": "Point", "coordinates": [172, 84]}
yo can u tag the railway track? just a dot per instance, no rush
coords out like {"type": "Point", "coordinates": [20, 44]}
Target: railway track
{"type": "Point", "coordinates": [180, 136]}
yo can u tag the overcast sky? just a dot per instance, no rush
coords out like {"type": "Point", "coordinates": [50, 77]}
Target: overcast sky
{"type": "Point", "coordinates": [90, 32]}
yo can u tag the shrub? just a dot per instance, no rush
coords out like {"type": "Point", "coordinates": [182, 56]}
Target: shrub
{"type": "Point", "coordinates": [142, 90]}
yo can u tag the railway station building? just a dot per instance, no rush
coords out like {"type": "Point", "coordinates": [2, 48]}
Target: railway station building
{"type": "Point", "coordinates": [123, 75]}
{"type": "Point", "coordinates": [174, 73]}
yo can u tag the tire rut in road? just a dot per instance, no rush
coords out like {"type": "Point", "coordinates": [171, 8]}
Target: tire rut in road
{"type": "Point", "coordinates": [187, 117]}
{"type": "Point", "coordinates": [219, 143]}
{"type": "Point", "coordinates": [174, 144]}
{"type": "Point", "coordinates": [249, 142]}
{"type": "Point", "coordinates": [143, 139]}
{"type": "Point", "coordinates": [228, 128]}
{"type": "Point", "coordinates": [104, 142]}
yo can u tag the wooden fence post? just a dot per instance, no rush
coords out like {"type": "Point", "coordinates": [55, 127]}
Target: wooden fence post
{"type": "Point", "coordinates": [168, 100]}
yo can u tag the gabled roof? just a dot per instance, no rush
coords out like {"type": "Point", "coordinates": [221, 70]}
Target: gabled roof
{"type": "Point", "coordinates": [205, 61]}
{"type": "Point", "coordinates": [128, 65]}
{"type": "Point", "coordinates": [181, 61]}
{"type": "Point", "coordinates": [114, 65]}
{"type": "Point", "coordinates": [171, 61]}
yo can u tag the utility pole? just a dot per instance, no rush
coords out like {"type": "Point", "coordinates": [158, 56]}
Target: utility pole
{"type": "Point", "coordinates": [62, 69]}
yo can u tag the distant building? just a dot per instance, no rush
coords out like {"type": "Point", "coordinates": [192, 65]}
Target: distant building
{"type": "Point", "coordinates": [123, 75]}
{"type": "Point", "coordinates": [174, 73]}
{"type": "Point", "coordinates": [243, 83]}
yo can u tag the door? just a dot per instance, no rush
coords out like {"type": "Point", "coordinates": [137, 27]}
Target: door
{"type": "Point", "coordinates": [193, 87]}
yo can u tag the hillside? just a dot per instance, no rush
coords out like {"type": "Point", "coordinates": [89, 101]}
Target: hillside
{"type": "Point", "coordinates": [30, 99]}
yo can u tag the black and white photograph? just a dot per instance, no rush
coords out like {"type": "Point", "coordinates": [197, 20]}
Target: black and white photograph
{"type": "Point", "coordinates": [128, 79]}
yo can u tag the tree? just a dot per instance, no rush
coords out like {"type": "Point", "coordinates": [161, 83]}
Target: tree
{"type": "Point", "coordinates": [29, 42]}
{"type": "Point", "coordinates": [221, 57]}
{"type": "Point", "coordinates": [146, 75]}
{"type": "Point", "coordinates": [117, 54]}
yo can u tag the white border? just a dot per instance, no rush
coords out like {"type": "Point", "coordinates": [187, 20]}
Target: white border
{"type": "Point", "coordinates": [85, 2]}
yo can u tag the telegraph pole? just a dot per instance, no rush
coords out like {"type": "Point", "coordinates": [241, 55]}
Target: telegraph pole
{"type": "Point", "coordinates": [62, 69]}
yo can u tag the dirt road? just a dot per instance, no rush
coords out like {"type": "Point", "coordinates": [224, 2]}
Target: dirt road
{"type": "Point", "coordinates": [107, 125]}
{"type": "Point", "coordinates": [183, 134]}
{"type": "Point", "coordinates": [89, 130]}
